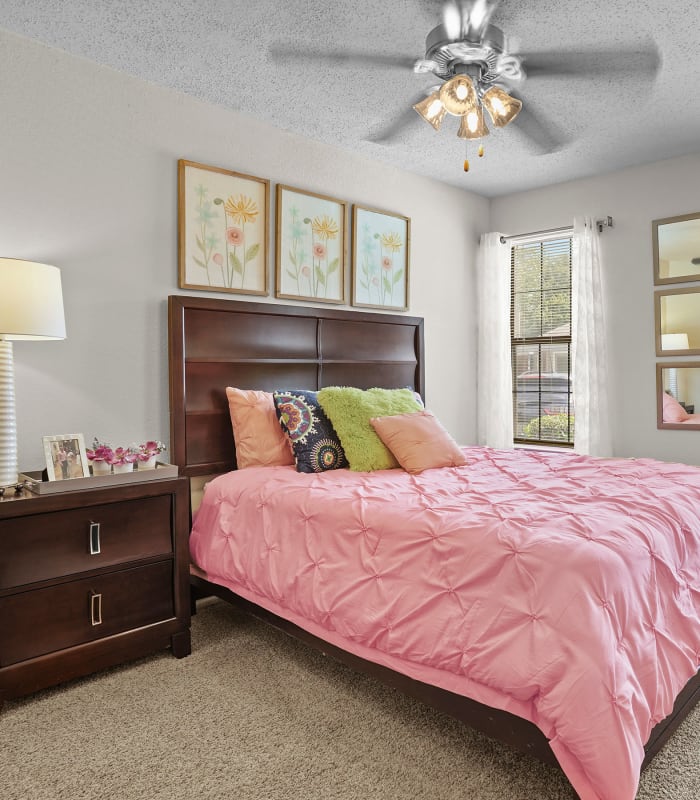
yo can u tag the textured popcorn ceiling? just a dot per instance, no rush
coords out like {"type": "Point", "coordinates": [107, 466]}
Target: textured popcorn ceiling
{"type": "Point", "coordinates": [217, 50]}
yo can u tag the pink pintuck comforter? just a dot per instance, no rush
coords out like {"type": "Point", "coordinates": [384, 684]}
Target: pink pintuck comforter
{"type": "Point", "coordinates": [561, 588]}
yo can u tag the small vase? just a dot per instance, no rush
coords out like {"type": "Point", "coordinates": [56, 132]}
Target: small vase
{"type": "Point", "coordinates": [149, 463]}
{"type": "Point", "coordinates": [100, 468]}
{"type": "Point", "coordinates": [128, 467]}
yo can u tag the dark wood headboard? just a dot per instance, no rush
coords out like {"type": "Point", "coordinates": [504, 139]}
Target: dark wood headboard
{"type": "Point", "coordinates": [218, 343]}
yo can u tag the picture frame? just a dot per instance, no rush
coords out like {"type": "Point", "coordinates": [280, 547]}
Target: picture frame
{"type": "Point", "coordinates": [65, 456]}
{"type": "Point", "coordinates": [676, 249]}
{"type": "Point", "coordinates": [311, 245]}
{"type": "Point", "coordinates": [381, 255]}
{"type": "Point", "coordinates": [223, 230]}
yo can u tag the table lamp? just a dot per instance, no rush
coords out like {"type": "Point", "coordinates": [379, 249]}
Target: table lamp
{"type": "Point", "coordinates": [31, 307]}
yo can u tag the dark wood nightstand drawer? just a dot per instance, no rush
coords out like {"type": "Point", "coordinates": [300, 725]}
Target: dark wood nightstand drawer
{"type": "Point", "coordinates": [45, 546]}
{"type": "Point", "coordinates": [46, 620]}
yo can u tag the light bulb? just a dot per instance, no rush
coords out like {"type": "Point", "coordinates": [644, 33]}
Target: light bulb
{"type": "Point", "coordinates": [434, 109]}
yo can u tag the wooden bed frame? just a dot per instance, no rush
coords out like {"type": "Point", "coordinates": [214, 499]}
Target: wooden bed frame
{"type": "Point", "coordinates": [219, 343]}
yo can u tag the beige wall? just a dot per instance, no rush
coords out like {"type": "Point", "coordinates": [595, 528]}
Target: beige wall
{"type": "Point", "coordinates": [89, 183]}
{"type": "Point", "coordinates": [633, 197]}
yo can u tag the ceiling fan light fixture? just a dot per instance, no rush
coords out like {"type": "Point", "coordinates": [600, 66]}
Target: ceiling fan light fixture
{"type": "Point", "coordinates": [501, 106]}
{"type": "Point", "coordinates": [432, 110]}
{"type": "Point", "coordinates": [458, 95]}
{"type": "Point", "coordinates": [472, 125]}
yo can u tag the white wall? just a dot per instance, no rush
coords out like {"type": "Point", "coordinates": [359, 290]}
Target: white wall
{"type": "Point", "coordinates": [88, 171]}
{"type": "Point", "coordinates": [633, 197]}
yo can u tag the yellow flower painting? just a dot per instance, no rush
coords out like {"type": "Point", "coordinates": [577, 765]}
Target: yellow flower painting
{"type": "Point", "coordinates": [381, 244]}
{"type": "Point", "coordinates": [223, 229]}
{"type": "Point", "coordinates": [310, 246]}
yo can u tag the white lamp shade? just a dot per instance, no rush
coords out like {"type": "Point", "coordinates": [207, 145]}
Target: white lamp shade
{"type": "Point", "coordinates": [674, 341]}
{"type": "Point", "coordinates": [31, 300]}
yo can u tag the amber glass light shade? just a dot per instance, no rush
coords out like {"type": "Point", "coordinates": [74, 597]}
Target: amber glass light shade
{"type": "Point", "coordinates": [472, 125]}
{"type": "Point", "coordinates": [458, 95]}
{"type": "Point", "coordinates": [501, 106]}
{"type": "Point", "coordinates": [432, 110]}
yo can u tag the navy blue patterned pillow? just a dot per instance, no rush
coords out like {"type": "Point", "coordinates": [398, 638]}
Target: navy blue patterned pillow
{"type": "Point", "coordinates": [315, 443]}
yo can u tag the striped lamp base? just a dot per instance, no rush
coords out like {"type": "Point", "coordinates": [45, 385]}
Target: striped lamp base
{"type": "Point", "coordinates": [8, 421]}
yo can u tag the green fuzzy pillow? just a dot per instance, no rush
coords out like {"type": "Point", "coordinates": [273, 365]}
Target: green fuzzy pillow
{"type": "Point", "coordinates": [350, 411]}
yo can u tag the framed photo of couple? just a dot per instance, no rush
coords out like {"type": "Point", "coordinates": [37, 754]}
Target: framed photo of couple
{"type": "Point", "coordinates": [65, 457]}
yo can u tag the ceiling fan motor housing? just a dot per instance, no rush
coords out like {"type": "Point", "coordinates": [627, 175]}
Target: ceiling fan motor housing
{"type": "Point", "coordinates": [486, 60]}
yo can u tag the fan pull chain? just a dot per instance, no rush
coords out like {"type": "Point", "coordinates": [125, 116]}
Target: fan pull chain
{"type": "Point", "coordinates": [466, 160]}
{"type": "Point", "coordinates": [481, 151]}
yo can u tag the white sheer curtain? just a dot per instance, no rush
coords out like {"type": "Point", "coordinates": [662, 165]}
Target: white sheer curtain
{"type": "Point", "coordinates": [494, 381]}
{"type": "Point", "coordinates": [589, 348]}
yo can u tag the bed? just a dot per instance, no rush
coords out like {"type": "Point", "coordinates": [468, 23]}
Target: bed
{"type": "Point", "coordinates": [219, 343]}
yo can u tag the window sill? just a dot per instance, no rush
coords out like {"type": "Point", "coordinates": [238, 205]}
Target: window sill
{"type": "Point", "coordinates": [546, 448]}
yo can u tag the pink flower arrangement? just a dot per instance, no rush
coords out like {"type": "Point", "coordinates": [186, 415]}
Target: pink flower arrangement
{"type": "Point", "coordinates": [123, 455]}
{"type": "Point", "coordinates": [100, 451]}
{"type": "Point", "coordinates": [148, 450]}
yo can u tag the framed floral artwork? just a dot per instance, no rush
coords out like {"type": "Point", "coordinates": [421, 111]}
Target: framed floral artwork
{"type": "Point", "coordinates": [311, 245]}
{"type": "Point", "coordinates": [380, 259]}
{"type": "Point", "coordinates": [222, 230]}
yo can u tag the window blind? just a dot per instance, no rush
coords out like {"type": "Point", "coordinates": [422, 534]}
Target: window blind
{"type": "Point", "coordinates": [540, 321]}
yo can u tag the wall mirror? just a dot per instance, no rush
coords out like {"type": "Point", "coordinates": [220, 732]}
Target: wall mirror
{"type": "Point", "coordinates": [677, 322]}
{"type": "Point", "coordinates": [676, 245]}
{"type": "Point", "coordinates": [678, 395]}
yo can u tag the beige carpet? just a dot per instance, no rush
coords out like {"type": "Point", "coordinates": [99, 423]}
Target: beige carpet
{"type": "Point", "coordinates": [254, 715]}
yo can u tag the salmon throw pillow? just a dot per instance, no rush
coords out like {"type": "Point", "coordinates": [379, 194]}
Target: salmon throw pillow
{"type": "Point", "coordinates": [673, 410]}
{"type": "Point", "coordinates": [259, 439]}
{"type": "Point", "coordinates": [418, 441]}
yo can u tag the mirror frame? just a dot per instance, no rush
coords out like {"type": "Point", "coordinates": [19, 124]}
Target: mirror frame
{"type": "Point", "coordinates": [658, 280]}
{"type": "Point", "coordinates": [693, 351]}
{"type": "Point", "coordinates": [660, 424]}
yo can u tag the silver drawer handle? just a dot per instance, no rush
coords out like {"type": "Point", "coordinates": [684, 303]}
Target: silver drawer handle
{"type": "Point", "coordinates": [94, 538]}
{"type": "Point", "coordinates": [95, 609]}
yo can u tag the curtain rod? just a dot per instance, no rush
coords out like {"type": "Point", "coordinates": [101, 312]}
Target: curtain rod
{"type": "Point", "coordinates": [606, 222]}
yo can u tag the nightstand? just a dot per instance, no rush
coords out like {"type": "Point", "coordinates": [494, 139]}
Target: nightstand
{"type": "Point", "coordinates": [90, 579]}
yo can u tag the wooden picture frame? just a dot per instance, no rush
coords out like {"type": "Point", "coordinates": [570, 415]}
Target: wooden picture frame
{"type": "Point", "coordinates": [677, 321]}
{"type": "Point", "coordinates": [223, 230]}
{"type": "Point", "coordinates": [381, 245]}
{"type": "Point", "coordinates": [65, 456]}
{"type": "Point", "coordinates": [676, 249]}
{"type": "Point", "coordinates": [310, 246]}
{"type": "Point", "coordinates": [680, 380]}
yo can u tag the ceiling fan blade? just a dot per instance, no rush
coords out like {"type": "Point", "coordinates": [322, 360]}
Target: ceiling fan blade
{"type": "Point", "coordinates": [540, 133]}
{"type": "Point", "coordinates": [404, 120]}
{"type": "Point", "coordinates": [558, 63]}
{"type": "Point", "coordinates": [283, 52]}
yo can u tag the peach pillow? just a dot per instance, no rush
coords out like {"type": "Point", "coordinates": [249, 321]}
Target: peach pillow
{"type": "Point", "coordinates": [673, 410]}
{"type": "Point", "coordinates": [259, 439]}
{"type": "Point", "coordinates": [418, 441]}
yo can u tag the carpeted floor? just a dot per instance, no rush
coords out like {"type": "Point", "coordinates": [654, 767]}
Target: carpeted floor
{"type": "Point", "coordinates": [254, 715]}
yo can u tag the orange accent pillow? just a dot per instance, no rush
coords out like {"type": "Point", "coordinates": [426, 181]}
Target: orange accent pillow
{"type": "Point", "coordinates": [673, 410]}
{"type": "Point", "coordinates": [418, 441]}
{"type": "Point", "coordinates": [259, 439]}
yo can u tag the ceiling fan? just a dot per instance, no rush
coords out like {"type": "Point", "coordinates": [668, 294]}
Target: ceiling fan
{"type": "Point", "coordinates": [478, 71]}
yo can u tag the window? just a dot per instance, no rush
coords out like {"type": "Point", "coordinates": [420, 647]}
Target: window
{"type": "Point", "coordinates": [540, 324]}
